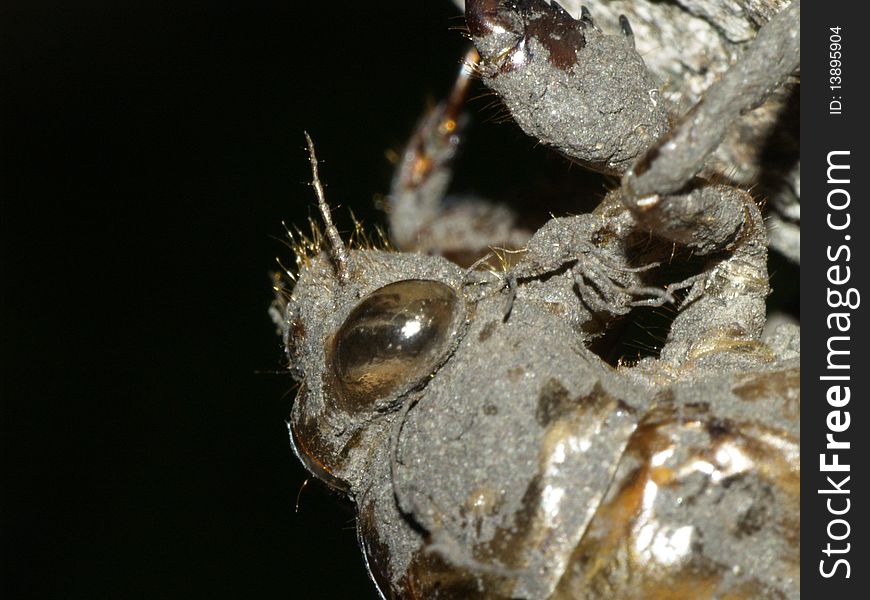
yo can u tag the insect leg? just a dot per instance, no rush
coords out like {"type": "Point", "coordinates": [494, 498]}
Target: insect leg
{"type": "Point", "coordinates": [421, 181]}
{"type": "Point", "coordinates": [723, 314]}
{"type": "Point", "coordinates": [679, 155]}
{"type": "Point", "coordinates": [420, 218]}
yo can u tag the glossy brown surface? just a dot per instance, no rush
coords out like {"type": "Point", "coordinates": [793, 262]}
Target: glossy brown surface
{"type": "Point", "coordinates": [395, 335]}
{"type": "Point", "coordinates": [702, 505]}
{"type": "Point", "coordinates": [686, 483]}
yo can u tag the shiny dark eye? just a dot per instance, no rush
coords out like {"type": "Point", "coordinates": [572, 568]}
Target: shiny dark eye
{"type": "Point", "coordinates": [395, 337]}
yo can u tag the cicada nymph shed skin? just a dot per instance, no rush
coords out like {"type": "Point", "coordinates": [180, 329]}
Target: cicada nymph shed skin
{"type": "Point", "coordinates": [490, 451]}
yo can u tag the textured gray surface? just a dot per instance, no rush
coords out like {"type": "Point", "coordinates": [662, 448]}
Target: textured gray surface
{"type": "Point", "coordinates": [519, 463]}
{"type": "Point", "coordinates": [768, 61]}
{"type": "Point", "coordinates": [603, 112]}
{"type": "Point", "coordinates": [687, 45]}
{"type": "Point", "coordinates": [521, 407]}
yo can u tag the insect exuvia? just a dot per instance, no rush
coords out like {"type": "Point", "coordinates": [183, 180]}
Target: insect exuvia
{"type": "Point", "coordinates": [462, 403]}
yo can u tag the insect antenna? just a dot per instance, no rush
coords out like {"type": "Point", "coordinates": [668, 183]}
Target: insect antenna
{"type": "Point", "coordinates": [337, 249]}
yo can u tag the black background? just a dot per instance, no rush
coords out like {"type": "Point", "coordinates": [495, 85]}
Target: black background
{"type": "Point", "coordinates": [150, 153]}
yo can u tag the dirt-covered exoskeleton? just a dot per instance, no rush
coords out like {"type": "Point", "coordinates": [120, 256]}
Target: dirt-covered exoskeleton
{"type": "Point", "coordinates": [467, 410]}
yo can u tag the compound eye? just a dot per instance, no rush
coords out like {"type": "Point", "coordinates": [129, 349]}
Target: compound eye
{"type": "Point", "coordinates": [394, 338]}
